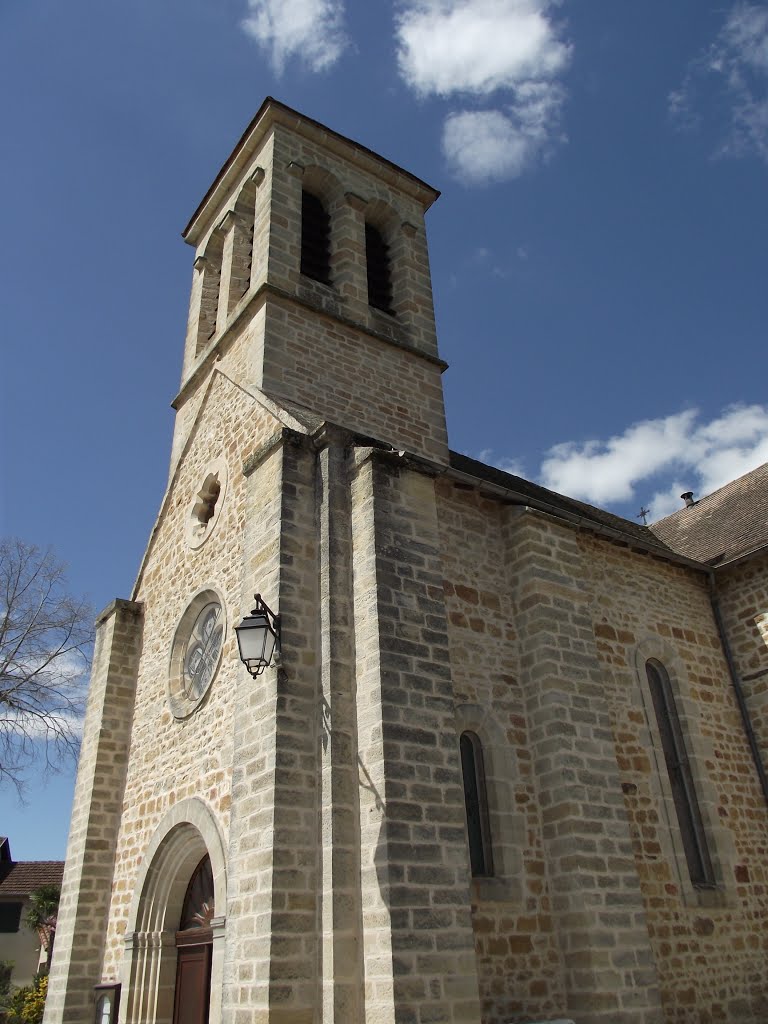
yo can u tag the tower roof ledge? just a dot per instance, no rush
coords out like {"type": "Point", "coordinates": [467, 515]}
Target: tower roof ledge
{"type": "Point", "coordinates": [272, 112]}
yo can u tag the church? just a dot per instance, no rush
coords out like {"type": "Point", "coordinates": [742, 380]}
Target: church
{"type": "Point", "coordinates": [498, 756]}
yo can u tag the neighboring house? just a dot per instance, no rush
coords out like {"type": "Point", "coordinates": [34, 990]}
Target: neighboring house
{"type": "Point", "coordinates": [18, 878]}
{"type": "Point", "coordinates": [507, 766]}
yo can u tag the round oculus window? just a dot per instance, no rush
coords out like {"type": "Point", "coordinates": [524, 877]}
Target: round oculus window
{"type": "Point", "coordinates": [201, 657]}
{"type": "Point", "coordinates": [196, 652]}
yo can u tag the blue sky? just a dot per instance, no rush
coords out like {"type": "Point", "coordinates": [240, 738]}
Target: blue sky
{"type": "Point", "coordinates": [598, 253]}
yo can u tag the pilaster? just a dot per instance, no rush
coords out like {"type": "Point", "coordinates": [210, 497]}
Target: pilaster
{"type": "Point", "coordinates": [341, 967]}
{"type": "Point", "coordinates": [418, 947]}
{"type": "Point", "coordinates": [87, 884]}
{"type": "Point", "coordinates": [351, 278]}
{"type": "Point", "coordinates": [250, 858]}
{"type": "Point", "coordinates": [609, 970]}
{"type": "Point", "coordinates": [272, 949]}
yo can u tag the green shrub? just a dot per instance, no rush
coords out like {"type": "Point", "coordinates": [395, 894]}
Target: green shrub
{"type": "Point", "coordinates": [25, 1005]}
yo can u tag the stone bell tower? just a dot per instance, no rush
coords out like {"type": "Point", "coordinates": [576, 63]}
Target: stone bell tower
{"type": "Point", "coordinates": [242, 850]}
{"type": "Point", "coordinates": [312, 270]}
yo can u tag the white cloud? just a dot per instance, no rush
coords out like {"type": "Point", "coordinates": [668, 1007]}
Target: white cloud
{"type": "Point", "coordinates": [745, 37]}
{"type": "Point", "coordinates": [49, 695]}
{"type": "Point", "coordinates": [506, 465]}
{"type": "Point", "coordinates": [699, 456]}
{"type": "Point", "coordinates": [477, 46]}
{"type": "Point", "coordinates": [490, 145]}
{"type": "Point", "coordinates": [737, 62]}
{"type": "Point", "coordinates": [311, 30]}
{"type": "Point", "coordinates": [508, 49]}
{"type": "Point", "coordinates": [483, 145]}
{"type": "Point", "coordinates": [605, 471]}
{"type": "Point", "coordinates": [39, 728]}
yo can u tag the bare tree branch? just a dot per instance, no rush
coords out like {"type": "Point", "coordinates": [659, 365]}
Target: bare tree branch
{"type": "Point", "coordinates": [46, 637]}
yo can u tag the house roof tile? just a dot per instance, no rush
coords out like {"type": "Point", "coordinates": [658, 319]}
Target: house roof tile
{"type": "Point", "coordinates": [21, 877]}
{"type": "Point", "coordinates": [726, 524]}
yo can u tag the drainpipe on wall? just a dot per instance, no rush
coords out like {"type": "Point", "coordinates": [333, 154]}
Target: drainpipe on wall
{"type": "Point", "coordinates": [737, 687]}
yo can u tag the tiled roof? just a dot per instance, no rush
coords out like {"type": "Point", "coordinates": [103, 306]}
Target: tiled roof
{"type": "Point", "coordinates": [21, 877]}
{"type": "Point", "coordinates": [537, 496]}
{"type": "Point", "coordinates": [724, 525]}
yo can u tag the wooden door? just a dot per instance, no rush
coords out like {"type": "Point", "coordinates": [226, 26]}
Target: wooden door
{"type": "Point", "coordinates": [193, 985]}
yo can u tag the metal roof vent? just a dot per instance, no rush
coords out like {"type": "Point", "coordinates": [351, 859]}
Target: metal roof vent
{"type": "Point", "coordinates": [687, 497]}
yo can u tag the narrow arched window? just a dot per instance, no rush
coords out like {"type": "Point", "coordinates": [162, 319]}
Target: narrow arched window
{"type": "Point", "coordinates": [378, 267]}
{"type": "Point", "coordinates": [242, 253]}
{"type": "Point", "coordinates": [315, 239]}
{"type": "Point", "coordinates": [680, 777]}
{"type": "Point", "coordinates": [210, 267]}
{"type": "Point", "coordinates": [476, 805]}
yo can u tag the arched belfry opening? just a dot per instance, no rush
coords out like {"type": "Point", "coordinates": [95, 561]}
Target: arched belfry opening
{"type": "Point", "coordinates": [175, 932]}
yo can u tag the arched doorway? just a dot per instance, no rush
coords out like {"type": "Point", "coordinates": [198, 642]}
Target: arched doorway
{"type": "Point", "coordinates": [173, 970]}
{"type": "Point", "coordinates": [194, 948]}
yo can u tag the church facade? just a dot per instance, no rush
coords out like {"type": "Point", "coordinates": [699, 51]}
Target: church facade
{"type": "Point", "coordinates": [507, 765]}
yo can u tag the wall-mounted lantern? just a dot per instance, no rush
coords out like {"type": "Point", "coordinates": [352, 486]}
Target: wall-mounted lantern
{"type": "Point", "coordinates": [258, 636]}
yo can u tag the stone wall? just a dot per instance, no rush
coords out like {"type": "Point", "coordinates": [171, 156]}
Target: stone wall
{"type": "Point", "coordinates": [89, 869]}
{"type": "Point", "coordinates": [364, 382]}
{"type": "Point", "coordinates": [743, 594]}
{"type": "Point", "coordinates": [174, 759]}
{"type": "Point", "coordinates": [709, 945]}
{"type": "Point", "coordinates": [417, 951]}
{"type": "Point", "coordinates": [520, 965]}
{"type": "Point", "coordinates": [549, 632]}
{"type": "Point", "coordinates": [328, 791]}
{"type": "Point", "coordinates": [271, 939]}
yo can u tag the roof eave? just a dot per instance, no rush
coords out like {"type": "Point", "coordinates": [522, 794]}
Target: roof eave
{"type": "Point", "coordinates": [273, 112]}
{"type": "Point", "coordinates": [580, 522]}
{"type": "Point", "coordinates": [744, 557]}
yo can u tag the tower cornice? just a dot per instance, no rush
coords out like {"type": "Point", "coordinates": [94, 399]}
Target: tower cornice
{"type": "Point", "coordinates": [271, 113]}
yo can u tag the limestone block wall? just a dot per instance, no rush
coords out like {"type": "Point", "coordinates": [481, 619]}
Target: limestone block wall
{"type": "Point", "coordinates": [709, 946]}
{"type": "Point", "coordinates": [609, 972]}
{"type": "Point", "coordinates": [372, 372]}
{"type": "Point", "coordinates": [520, 965]}
{"type": "Point", "coordinates": [340, 969]}
{"type": "Point", "coordinates": [88, 874]}
{"type": "Point", "coordinates": [417, 946]}
{"type": "Point", "coordinates": [538, 611]}
{"type": "Point", "coordinates": [354, 187]}
{"type": "Point", "coordinates": [239, 355]}
{"type": "Point", "coordinates": [743, 594]}
{"type": "Point", "coordinates": [174, 759]}
{"type": "Point", "coordinates": [272, 956]}
{"type": "Point", "coordinates": [231, 258]}
{"type": "Point", "coordinates": [362, 382]}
